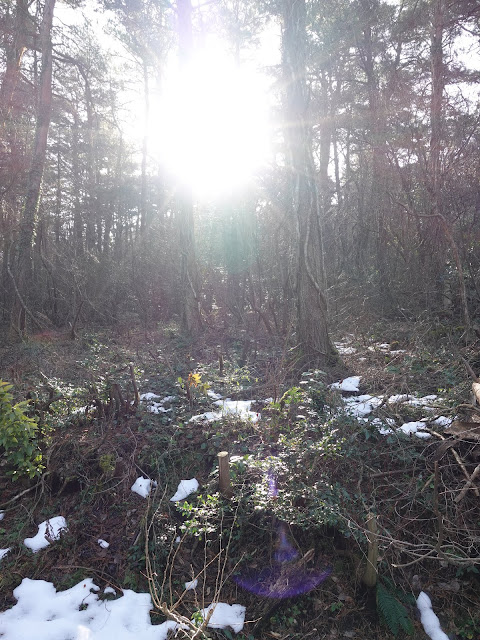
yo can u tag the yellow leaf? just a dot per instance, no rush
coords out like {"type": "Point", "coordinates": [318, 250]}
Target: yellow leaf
{"type": "Point", "coordinates": [194, 379]}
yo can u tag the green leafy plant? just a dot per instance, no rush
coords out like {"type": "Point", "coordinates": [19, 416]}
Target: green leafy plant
{"type": "Point", "coordinates": [390, 608]}
{"type": "Point", "coordinates": [469, 629]}
{"type": "Point", "coordinates": [107, 462]}
{"type": "Point", "coordinates": [18, 436]}
{"type": "Point", "coordinates": [202, 516]}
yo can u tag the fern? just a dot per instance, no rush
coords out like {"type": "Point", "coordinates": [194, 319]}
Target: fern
{"type": "Point", "coordinates": [391, 610]}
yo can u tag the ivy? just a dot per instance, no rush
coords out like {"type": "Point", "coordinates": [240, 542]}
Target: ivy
{"type": "Point", "coordinates": [18, 436]}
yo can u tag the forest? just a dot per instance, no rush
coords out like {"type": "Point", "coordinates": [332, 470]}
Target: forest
{"type": "Point", "coordinates": [239, 319]}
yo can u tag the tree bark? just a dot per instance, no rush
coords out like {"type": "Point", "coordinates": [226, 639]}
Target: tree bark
{"type": "Point", "coordinates": [304, 203]}
{"type": "Point", "coordinates": [378, 188]}
{"type": "Point", "coordinates": [144, 222]}
{"type": "Point", "coordinates": [13, 60]}
{"type": "Point", "coordinates": [191, 318]}
{"type": "Point", "coordinates": [28, 224]}
{"type": "Point", "coordinates": [440, 222]}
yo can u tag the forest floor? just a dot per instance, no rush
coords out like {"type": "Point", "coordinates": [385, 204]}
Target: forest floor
{"type": "Point", "coordinates": [311, 464]}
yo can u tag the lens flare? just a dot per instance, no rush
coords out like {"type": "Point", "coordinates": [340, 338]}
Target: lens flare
{"type": "Point", "coordinates": [280, 582]}
{"type": "Point", "coordinates": [284, 551]}
{"type": "Point", "coordinates": [288, 577]}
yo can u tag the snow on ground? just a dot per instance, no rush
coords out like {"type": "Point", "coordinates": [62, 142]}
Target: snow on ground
{"type": "Point", "coordinates": [225, 615]}
{"type": "Point", "coordinates": [184, 489]}
{"type": "Point", "coordinates": [344, 349]}
{"type": "Point", "coordinates": [48, 530]}
{"type": "Point", "coordinates": [413, 427]}
{"type": "Point", "coordinates": [156, 407]}
{"type": "Point", "coordinates": [189, 586]}
{"type": "Point", "coordinates": [429, 620]}
{"type": "Point", "coordinates": [404, 398]}
{"type": "Point", "coordinates": [442, 421]}
{"type": "Point", "coordinates": [79, 614]}
{"type": "Point", "coordinates": [241, 408]}
{"type": "Point", "coordinates": [360, 406]}
{"type": "Point", "coordinates": [142, 486]}
{"type": "Point", "coordinates": [349, 384]}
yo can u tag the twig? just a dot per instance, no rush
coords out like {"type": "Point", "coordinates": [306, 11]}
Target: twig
{"type": "Point", "coordinates": [382, 474]}
{"type": "Point", "coordinates": [468, 484]}
{"type": "Point", "coordinates": [458, 459]}
{"type": "Point", "coordinates": [465, 472]}
{"type": "Point", "coordinates": [26, 490]}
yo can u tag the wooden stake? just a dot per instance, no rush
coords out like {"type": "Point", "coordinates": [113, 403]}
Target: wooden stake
{"type": "Point", "coordinates": [370, 575]}
{"type": "Point", "coordinates": [224, 474]}
{"type": "Point", "coordinates": [136, 395]}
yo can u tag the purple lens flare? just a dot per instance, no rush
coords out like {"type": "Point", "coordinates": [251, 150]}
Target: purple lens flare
{"type": "Point", "coordinates": [284, 551]}
{"type": "Point", "coordinates": [282, 582]}
{"type": "Point", "coordinates": [272, 484]}
{"type": "Point", "coordinates": [287, 578]}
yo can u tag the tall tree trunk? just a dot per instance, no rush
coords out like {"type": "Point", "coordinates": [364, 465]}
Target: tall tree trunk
{"type": "Point", "coordinates": [311, 302]}
{"type": "Point", "coordinates": [440, 222]}
{"type": "Point", "coordinates": [144, 222]}
{"type": "Point", "coordinates": [92, 213]}
{"type": "Point", "coordinates": [190, 302]}
{"type": "Point", "coordinates": [78, 222]}
{"type": "Point", "coordinates": [28, 224]}
{"type": "Point", "coordinates": [13, 60]}
{"type": "Point", "coordinates": [378, 188]}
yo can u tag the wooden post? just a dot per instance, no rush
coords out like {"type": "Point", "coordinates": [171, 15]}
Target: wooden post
{"type": "Point", "coordinates": [370, 575]}
{"type": "Point", "coordinates": [136, 395]}
{"type": "Point", "coordinates": [224, 474]}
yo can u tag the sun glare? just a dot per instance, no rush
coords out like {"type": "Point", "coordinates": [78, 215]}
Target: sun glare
{"type": "Point", "coordinates": [212, 130]}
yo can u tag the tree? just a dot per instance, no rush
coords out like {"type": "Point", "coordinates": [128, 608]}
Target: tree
{"type": "Point", "coordinates": [24, 277]}
{"type": "Point", "coordinates": [189, 277]}
{"type": "Point", "coordinates": [303, 197]}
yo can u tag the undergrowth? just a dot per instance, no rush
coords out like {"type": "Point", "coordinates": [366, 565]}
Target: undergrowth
{"type": "Point", "coordinates": [306, 468]}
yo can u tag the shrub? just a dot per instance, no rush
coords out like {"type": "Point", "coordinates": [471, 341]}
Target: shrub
{"type": "Point", "coordinates": [18, 436]}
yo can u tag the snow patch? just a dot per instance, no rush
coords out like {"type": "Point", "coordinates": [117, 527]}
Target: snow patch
{"type": "Point", "coordinates": [229, 407]}
{"type": "Point", "coordinates": [143, 486]}
{"type": "Point", "coordinates": [410, 428]}
{"type": "Point", "coordinates": [185, 488]}
{"type": "Point", "coordinates": [344, 349]}
{"type": "Point", "coordinates": [45, 614]}
{"type": "Point", "coordinates": [442, 421]}
{"type": "Point", "coordinates": [225, 615]}
{"type": "Point", "coordinates": [191, 585]}
{"type": "Point", "coordinates": [405, 398]}
{"type": "Point", "coordinates": [148, 396]}
{"type": "Point", "coordinates": [3, 552]}
{"type": "Point", "coordinates": [348, 384]}
{"type": "Point", "coordinates": [360, 406]}
{"type": "Point", "coordinates": [156, 407]}
{"type": "Point", "coordinates": [429, 620]}
{"type": "Point", "coordinates": [51, 528]}
{"type": "Point", "coordinates": [103, 543]}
